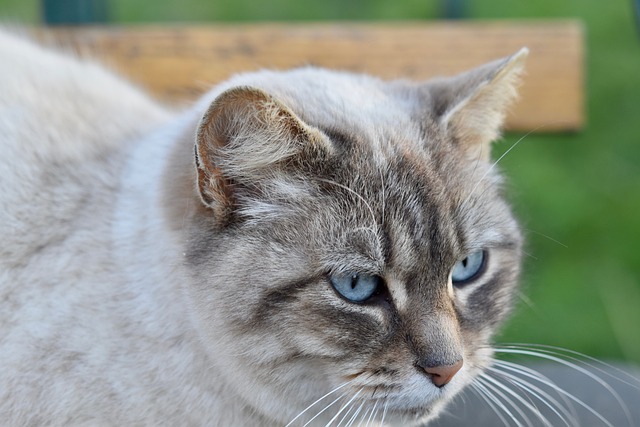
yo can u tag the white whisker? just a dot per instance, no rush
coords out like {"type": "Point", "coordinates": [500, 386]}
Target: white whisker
{"type": "Point", "coordinates": [537, 376]}
{"type": "Point", "coordinates": [493, 165]}
{"type": "Point", "coordinates": [355, 415]}
{"type": "Point", "coordinates": [374, 411]}
{"type": "Point", "coordinates": [529, 405]}
{"type": "Point", "coordinates": [536, 392]}
{"type": "Point", "coordinates": [384, 412]}
{"type": "Point", "coordinates": [578, 357]}
{"type": "Point", "coordinates": [317, 401]}
{"type": "Point", "coordinates": [547, 237]}
{"type": "Point", "coordinates": [344, 407]}
{"type": "Point", "coordinates": [487, 382]}
{"type": "Point", "coordinates": [581, 370]}
{"type": "Point", "coordinates": [549, 401]}
{"type": "Point", "coordinates": [345, 415]}
{"type": "Point", "coordinates": [486, 395]}
{"type": "Point", "coordinates": [324, 409]}
{"type": "Point", "coordinates": [364, 415]}
{"type": "Point", "coordinates": [533, 257]}
{"type": "Point", "coordinates": [525, 299]}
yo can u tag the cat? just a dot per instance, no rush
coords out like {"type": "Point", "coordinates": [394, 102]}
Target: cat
{"type": "Point", "coordinates": [301, 246]}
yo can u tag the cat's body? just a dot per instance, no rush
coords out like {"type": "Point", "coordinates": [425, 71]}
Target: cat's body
{"type": "Point", "coordinates": [143, 285]}
{"type": "Point", "coordinates": [71, 316]}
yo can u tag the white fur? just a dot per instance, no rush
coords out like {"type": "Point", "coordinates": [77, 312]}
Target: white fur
{"type": "Point", "coordinates": [65, 261]}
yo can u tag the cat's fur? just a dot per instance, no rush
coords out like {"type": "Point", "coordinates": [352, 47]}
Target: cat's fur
{"type": "Point", "coordinates": [143, 282]}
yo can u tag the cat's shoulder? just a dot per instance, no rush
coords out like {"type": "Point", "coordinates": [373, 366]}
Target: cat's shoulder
{"type": "Point", "coordinates": [64, 122]}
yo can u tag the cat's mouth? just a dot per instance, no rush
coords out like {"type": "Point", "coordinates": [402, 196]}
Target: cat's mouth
{"type": "Point", "coordinates": [389, 403]}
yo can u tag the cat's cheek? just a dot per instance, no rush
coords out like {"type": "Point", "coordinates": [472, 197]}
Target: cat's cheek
{"type": "Point", "coordinates": [485, 303]}
{"type": "Point", "coordinates": [353, 331]}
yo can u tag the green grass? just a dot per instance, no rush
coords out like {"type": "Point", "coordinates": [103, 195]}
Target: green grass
{"type": "Point", "coordinates": [578, 195]}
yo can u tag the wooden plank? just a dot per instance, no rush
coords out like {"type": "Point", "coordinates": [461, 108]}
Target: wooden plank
{"type": "Point", "coordinates": [179, 63]}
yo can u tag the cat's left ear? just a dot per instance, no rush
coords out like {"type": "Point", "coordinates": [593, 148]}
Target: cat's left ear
{"type": "Point", "coordinates": [473, 105]}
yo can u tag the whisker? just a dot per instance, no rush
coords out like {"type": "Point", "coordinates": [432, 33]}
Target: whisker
{"type": "Point", "coordinates": [525, 299]}
{"type": "Point", "coordinates": [344, 417]}
{"type": "Point", "coordinates": [355, 415]}
{"type": "Point", "coordinates": [533, 257]}
{"type": "Point", "coordinates": [520, 399]}
{"type": "Point", "coordinates": [544, 397]}
{"type": "Point", "coordinates": [374, 411]}
{"type": "Point", "coordinates": [317, 401]}
{"type": "Point", "coordinates": [324, 409]}
{"type": "Point", "coordinates": [548, 237]}
{"type": "Point", "coordinates": [384, 412]}
{"type": "Point", "coordinates": [508, 401]}
{"type": "Point", "coordinates": [579, 369]}
{"type": "Point", "coordinates": [529, 389]}
{"type": "Point", "coordinates": [364, 416]}
{"type": "Point", "coordinates": [578, 357]}
{"type": "Point", "coordinates": [493, 165]}
{"type": "Point", "coordinates": [537, 376]}
{"type": "Point", "coordinates": [344, 407]}
{"type": "Point", "coordinates": [486, 395]}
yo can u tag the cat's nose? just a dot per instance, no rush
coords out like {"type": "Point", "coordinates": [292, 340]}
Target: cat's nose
{"type": "Point", "coordinates": [441, 375]}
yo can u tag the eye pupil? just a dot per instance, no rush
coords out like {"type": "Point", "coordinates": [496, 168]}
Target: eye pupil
{"type": "Point", "coordinates": [354, 281]}
{"type": "Point", "coordinates": [469, 268]}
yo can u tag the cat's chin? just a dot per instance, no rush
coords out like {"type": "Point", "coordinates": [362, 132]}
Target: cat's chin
{"type": "Point", "coordinates": [405, 411]}
{"type": "Point", "coordinates": [402, 413]}
{"type": "Point", "coordinates": [414, 416]}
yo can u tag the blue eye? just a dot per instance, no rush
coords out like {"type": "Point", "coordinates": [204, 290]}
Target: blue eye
{"type": "Point", "coordinates": [468, 268]}
{"type": "Point", "coordinates": [356, 287]}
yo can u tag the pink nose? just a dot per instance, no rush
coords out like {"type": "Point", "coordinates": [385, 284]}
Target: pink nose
{"type": "Point", "coordinates": [441, 375]}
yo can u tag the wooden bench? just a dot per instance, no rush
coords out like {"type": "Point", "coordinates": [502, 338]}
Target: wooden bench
{"type": "Point", "coordinates": [177, 63]}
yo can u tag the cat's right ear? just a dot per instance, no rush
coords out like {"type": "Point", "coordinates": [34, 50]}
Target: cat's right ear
{"type": "Point", "coordinates": [245, 138]}
{"type": "Point", "coordinates": [472, 106]}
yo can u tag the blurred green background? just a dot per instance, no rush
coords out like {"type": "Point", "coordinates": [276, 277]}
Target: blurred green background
{"type": "Point", "coordinates": [578, 195]}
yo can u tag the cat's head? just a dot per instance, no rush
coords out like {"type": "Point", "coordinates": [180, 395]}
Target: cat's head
{"type": "Point", "coordinates": [351, 235]}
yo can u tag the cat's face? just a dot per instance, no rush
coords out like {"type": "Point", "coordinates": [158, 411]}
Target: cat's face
{"type": "Point", "coordinates": [352, 238]}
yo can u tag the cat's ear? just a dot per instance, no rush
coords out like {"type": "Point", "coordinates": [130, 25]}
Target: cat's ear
{"type": "Point", "coordinates": [473, 105]}
{"type": "Point", "coordinates": [245, 137]}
